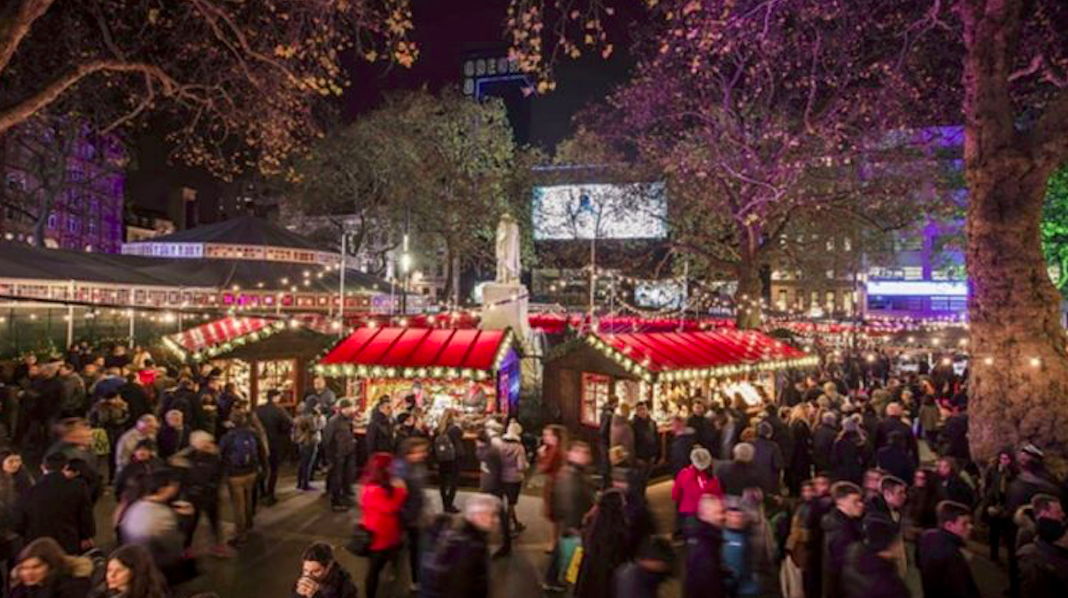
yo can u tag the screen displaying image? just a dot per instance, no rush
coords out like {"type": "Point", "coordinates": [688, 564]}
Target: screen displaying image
{"type": "Point", "coordinates": [658, 295]}
{"type": "Point", "coordinates": [569, 212]}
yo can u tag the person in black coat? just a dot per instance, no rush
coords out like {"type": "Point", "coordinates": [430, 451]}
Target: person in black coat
{"type": "Point", "coordinates": [277, 424]}
{"type": "Point", "coordinates": [58, 507]}
{"type": "Point", "coordinates": [841, 529]}
{"type": "Point", "coordinates": [823, 438]}
{"type": "Point", "coordinates": [704, 570]}
{"type": "Point", "coordinates": [953, 485]}
{"type": "Point", "coordinates": [848, 457]}
{"type": "Point", "coordinates": [895, 458]}
{"type": "Point", "coordinates": [137, 403]}
{"type": "Point", "coordinates": [870, 570]}
{"type": "Point", "coordinates": [736, 476]}
{"type": "Point", "coordinates": [322, 576]}
{"type": "Point", "coordinates": [893, 423]}
{"type": "Point", "coordinates": [704, 433]}
{"type": "Point", "coordinates": [954, 436]}
{"type": "Point", "coordinates": [822, 504]}
{"type": "Point", "coordinates": [646, 442]}
{"type": "Point", "coordinates": [339, 449]}
{"type": "Point", "coordinates": [1044, 562]}
{"type": "Point", "coordinates": [458, 566]}
{"type": "Point", "coordinates": [799, 465]}
{"type": "Point", "coordinates": [682, 442]}
{"type": "Point", "coordinates": [642, 577]}
{"type": "Point", "coordinates": [380, 428]}
{"type": "Point", "coordinates": [939, 554]}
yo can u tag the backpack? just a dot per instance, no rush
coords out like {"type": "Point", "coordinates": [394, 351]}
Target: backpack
{"type": "Point", "coordinates": [444, 449]}
{"type": "Point", "coordinates": [242, 454]}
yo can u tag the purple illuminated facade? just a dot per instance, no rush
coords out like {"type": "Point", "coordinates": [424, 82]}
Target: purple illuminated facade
{"type": "Point", "coordinates": [87, 211]}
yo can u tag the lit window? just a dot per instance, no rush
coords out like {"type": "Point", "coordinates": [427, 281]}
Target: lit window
{"type": "Point", "coordinates": [594, 396]}
{"type": "Point", "coordinates": [913, 273]}
{"type": "Point", "coordinates": [830, 274]}
{"type": "Point", "coordinates": [783, 296]}
{"type": "Point", "coordinates": [829, 301]}
{"type": "Point", "coordinates": [847, 244]}
{"type": "Point", "coordinates": [830, 243]}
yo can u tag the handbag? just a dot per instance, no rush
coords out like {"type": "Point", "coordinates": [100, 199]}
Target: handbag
{"type": "Point", "coordinates": [360, 543]}
{"type": "Point", "coordinates": [568, 546]}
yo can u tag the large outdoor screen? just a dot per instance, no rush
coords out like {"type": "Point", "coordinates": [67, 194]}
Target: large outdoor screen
{"type": "Point", "coordinates": [602, 211]}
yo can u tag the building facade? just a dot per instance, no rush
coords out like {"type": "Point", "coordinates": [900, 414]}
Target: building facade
{"type": "Point", "coordinates": [64, 184]}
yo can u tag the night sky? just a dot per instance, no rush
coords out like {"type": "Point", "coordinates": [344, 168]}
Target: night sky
{"type": "Point", "coordinates": [447, 31]}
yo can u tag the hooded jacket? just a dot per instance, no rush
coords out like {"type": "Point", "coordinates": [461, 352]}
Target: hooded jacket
{"type": "Point", "coordinates": [839, 533]}
{"type": "Point", "coordinates": [943, 568]}
{"type": "Point", "coordinates": [1043, 570]}
{"type": "Point", "coordinates": [868, 575]}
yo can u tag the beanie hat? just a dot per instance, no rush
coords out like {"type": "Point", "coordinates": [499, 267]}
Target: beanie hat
{"type": "Point", "coordinates": [879, 533]}
{"type": "Point", "coordinates": [701, 458]}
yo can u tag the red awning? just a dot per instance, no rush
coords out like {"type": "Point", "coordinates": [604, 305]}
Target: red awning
{"type": "Point", "coordinates": [218, 332]}
{"type": "Point", "coordinates": [710, 353]}
{"type": "Point", "coordinates": [411, 348]}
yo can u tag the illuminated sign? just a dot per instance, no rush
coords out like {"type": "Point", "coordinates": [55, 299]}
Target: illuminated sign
{"type": "Point", "coordinates": [918, 288]}
{"type": "Point", "coordinates": [602, 211]}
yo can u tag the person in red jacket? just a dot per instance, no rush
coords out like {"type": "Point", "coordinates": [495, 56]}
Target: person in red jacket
{"type": "Point", "coordinates": [691, 484]}
{"type": "Point", "coordinates": [381, 500]}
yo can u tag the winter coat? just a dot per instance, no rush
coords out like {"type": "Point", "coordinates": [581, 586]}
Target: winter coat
{"type": "Point", "coordinates": [379, 433]}
{"type": "Point", "coordinates": [704, 433]}
{"type": "Point", "coordinates": [201, 474]}
{"type": "Point", "coordinates": [954, 438]}
{"type": "Point", "coordinates": [897, 461]}
{"type": "Point", "coordinates": [681, 447]}
{"type": "Point", "coordinates": [839, 533]}
{"type": "Point", "coordinates": [137, 400]}
{"type": "Point", "coordinates": [1043, 570]}
{"type": "Point", "coordinates": [277, 423]}
{"type": "Point", "coordinates": [58, 508]}
{"type": "Point", "coordinates": [414, 476]}
{"type": "Point", "coordinates": [459, 565]}
{"type": "Point", "coordinates": [490, 467]}
{"type": "Point", "coordinates": [550, 462]}
{"type": "Point", "coordinates": [704, 571]}
{"type": "Point", "coordinates": [957, 489]}
{"type": "Point", "coordinates": [171, 440]}
{"type": "Point", "coordinates": [381, 514]}
{"type": "Point", "coordinates": [306, 430]}
{"type": "Point", "coordinates": [514, 462]}
{"type": "Point", "coordinates": [867, 575]}
{"type": "Point", "coordinates": [690, 485]}
{"type": "Point", "coordinates": [337, 584]}
{"type": "Point", "coordinates": [738, 561]}
{"type": "Point", "coordinates": [338, 439]}
{"type": "Point", "coordinates": [848, 460]}
{"type": "Point", "coordinates": [768, 464]}
{"type": "Point", "coordinates": [735, 477]}
{"type": "Point", "coordinates": [1026, 486]}
{"type": "Point", "coordinates": [130, 483]}
{"type": "Point", "coordinates": [572, 496]}
{"type": "Point", "coordinates": [646, 440]}
{"type": "Point", "coordinates": [231, 442]}
{"type": "Point", "coordinates": [890, 425]}
{"type": "Point", "coordinates": [60, 586]}
{"type": "Point", "coordinates": [800, 463]}
{"type": "Point", "coordinates": [943, 569]}
{"type": "Point", "coordinates": [822, 446]}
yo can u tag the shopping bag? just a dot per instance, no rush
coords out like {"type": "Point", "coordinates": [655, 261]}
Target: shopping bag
{"type": "Point", "coordinates": [573, 567]}
{"type": "Point", "coordinates": [790, 580]}
{"type": "Point", "coordinates": [566, 551]}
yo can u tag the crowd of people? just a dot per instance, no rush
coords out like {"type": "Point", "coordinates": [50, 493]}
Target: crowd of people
{"type": "Point", "coordinates": [848, 484]}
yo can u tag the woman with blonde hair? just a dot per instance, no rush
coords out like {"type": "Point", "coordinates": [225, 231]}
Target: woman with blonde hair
{"type": "Point", "coordinates": [799, 468]}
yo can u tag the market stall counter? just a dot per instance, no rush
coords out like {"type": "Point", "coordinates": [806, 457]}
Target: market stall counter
{"type": "Point", "coordinates": [473, 372]}
{"type": "Point", "coordinates": [667, 370]}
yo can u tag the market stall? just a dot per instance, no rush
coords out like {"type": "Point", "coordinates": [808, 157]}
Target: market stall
{"type": "Point", "coordinates": [665, 369]}
{"type": "Point", "coordinates": [473, 371]}
{"type": "Point", "coordinates": [258, 354]}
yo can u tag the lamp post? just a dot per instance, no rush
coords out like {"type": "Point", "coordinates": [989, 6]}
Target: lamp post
{"type": "Point", "coordinates": [406, 271]}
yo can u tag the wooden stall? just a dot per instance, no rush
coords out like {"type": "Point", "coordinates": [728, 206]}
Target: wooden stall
{"type": "Point", "coordinates": [258, 354]}
{"type": "Point", "coordinates": [665, 369]}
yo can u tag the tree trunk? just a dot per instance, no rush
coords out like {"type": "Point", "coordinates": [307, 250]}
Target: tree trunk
{"type": "Point", "coordinates": [748, 313]}
{"type": "Point", "coordinates": [1019, 375]}
{"type": "Point", "coordinates": [1018, 386]}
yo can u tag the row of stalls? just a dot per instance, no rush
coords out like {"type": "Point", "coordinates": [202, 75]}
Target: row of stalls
{"type": "Point", "coordinates": [476, 373]}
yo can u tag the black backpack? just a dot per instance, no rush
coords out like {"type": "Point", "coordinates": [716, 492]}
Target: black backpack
{"type": "Point", "coordinates": [444, 448]}
{"type": "Point", "coordinates": [242, 454]}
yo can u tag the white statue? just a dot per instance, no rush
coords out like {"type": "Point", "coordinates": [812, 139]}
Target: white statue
{"type": "Point", "coordinates": [507, 250]}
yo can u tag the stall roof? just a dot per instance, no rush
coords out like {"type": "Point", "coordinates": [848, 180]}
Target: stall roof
{"type": "Point", "coordinates": [243, 230]}
{"type": "Point", "coordinates": [210, 340]}
{"type": "Point", "coordinates": [672, 356]}
{"type": "Point", "coordinates": [418, 352]}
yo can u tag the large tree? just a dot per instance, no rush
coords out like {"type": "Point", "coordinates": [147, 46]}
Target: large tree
{"type": "Point", "coordinates": [755, 139]}
{"type": "Point", "coordinates": [240, 83]}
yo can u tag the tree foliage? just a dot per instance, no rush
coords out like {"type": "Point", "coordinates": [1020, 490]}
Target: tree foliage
{"type": "Point", "coordinates": [1055, 227]}
{"type": "Point", "coordinates": [241, 83]}
{"type": "Point", "coordinates": [443, 165]}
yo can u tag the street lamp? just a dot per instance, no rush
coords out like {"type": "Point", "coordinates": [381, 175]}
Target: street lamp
{"type": "Point", "coordinates": [406, 269]}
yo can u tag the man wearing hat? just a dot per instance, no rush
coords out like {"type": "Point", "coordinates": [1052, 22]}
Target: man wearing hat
{"type": "Point", "coordinates": [1034, 479]}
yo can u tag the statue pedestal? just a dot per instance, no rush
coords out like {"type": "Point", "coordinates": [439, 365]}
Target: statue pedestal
{"type": "Point", "coordinates": [500, 311]}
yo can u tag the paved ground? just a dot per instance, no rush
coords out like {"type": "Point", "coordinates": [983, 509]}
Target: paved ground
{"type": "Point", "coordinates": [268, 565]}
